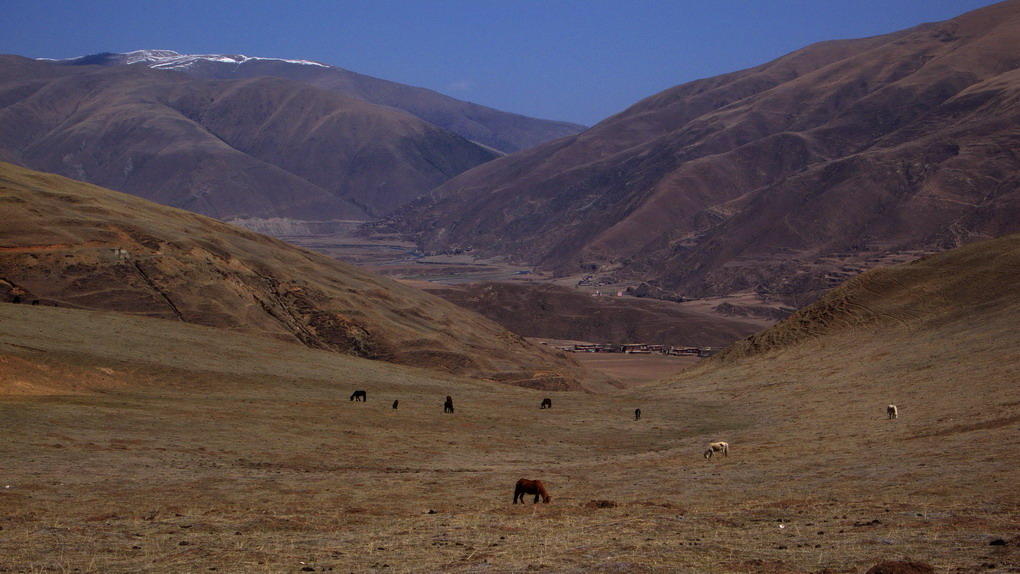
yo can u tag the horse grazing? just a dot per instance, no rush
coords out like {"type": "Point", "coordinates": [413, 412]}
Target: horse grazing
{"type": "Point", "coordinates": [526, 486]}
{"type": "Point", "coordinates": [546, 404]}
{"type": "Point", "coordinates": [448, 405]}
{"type": "Point", "coordinates": [395, 403]}
{"type": "Point", "coordinates": [359, 396]}
{"type": "Point", "coordinates": [637, 414]}
{"type": "Point", "coordinates": [891, 411]}
{"type": "Point", "coordinates": [714, 447]}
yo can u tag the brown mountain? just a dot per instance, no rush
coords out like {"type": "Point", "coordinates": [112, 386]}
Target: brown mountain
{"type": "Point", "coordinates": [257, 148]}
{"type": "Point", "coordinates": [785, 178]}
{"type": "Point", "coordinates": [501, 131]}
{"type": "Point", "coordinates": [79, 246]}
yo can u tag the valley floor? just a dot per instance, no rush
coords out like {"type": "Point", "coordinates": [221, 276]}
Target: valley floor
{"type": "Point", "coordinates": [248, 456]}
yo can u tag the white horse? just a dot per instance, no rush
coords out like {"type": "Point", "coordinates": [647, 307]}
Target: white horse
{"type": "Point", "coordinates": [891, 411]}
{"type": "Point", "coordinates": [714, 447]}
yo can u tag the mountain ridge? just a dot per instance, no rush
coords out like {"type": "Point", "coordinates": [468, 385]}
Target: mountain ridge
{"type": "Point", "coordinates": [167, 59]}
{"type": "Point", "coordinates": [780, 179]}
{"type": "Point", "coordinates": [244, 149]}
{"type": "Point", "coordinates": [504, 132]}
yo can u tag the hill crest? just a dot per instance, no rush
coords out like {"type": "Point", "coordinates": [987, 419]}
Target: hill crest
{"type": "Point", "coordinates": [504, 132]}
{"type": "Point", "coordinates": [965, 296]}
{"type": "Point", "coordinates": [79, 246]}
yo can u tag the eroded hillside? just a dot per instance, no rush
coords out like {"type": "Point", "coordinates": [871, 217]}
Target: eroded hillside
{"type": "Point", "coordinates": [74, 245]}
{"type": "Point", "coordinates": [782, 180]}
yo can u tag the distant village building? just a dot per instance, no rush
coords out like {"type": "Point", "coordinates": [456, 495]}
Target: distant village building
{"type": "Point", "coordinates": [594, 348]}
{"type": "Point", "coordinates": [640, 349]}
{"type": "Point", "coordinates": [595, 281]}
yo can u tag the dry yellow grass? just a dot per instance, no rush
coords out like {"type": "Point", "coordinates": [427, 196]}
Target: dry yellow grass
{"type": "Point", "coordinates": [143, 445]}
{"type": "Point", "coordinates": [139, 445]}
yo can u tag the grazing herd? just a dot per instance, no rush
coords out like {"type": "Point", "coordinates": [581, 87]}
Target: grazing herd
{"type": "Point", "coordinates": [529, 486]}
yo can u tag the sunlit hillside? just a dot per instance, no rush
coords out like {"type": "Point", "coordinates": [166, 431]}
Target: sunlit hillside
{"type": "Point", "coordinates": [70, 244]}
{"type": "Point", "coordinates": [135, 444]}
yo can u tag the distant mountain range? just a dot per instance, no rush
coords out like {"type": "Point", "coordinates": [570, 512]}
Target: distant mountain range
{"type": "Point", "coordinates": [783, 179]}
{"type": "Point", "coordinates": [260, 149]}
{"type": "Point", "coordinates": [502, 131]}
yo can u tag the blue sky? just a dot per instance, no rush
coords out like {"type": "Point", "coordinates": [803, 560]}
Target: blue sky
{"type": "Point", "coordinates": [576, 60]}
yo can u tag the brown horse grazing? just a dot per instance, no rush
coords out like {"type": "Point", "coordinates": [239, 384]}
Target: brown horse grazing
{"type": "Point", "coordinates": [546, 404]}
{"type": "Point", "coordinates": [526, 486]}
{"type": "Point", "coordinates": [359, 396]}
{"type": "Point", "coordinates": [448, 405]}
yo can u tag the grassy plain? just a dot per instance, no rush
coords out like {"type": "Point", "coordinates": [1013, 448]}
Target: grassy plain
{"type": "Point", "coordinates": [142, 445]}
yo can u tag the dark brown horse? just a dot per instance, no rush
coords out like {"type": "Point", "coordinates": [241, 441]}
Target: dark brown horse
{"type": "Point", "coordinates": [359, 396]}
{"type": "Point", "coordinates": [448, 405]}
{"type": "Point", "coordinates": [546, 404]}
{"type": "Point", "coordinates": [526, 486]}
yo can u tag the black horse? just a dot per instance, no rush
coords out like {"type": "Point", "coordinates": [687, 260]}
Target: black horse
{"type": "Point", "coordinates": [359, 396]}
{"type": "Point", "coordinates": [546, 404]}
{"type": "Point", "coordinates": [448, 405]}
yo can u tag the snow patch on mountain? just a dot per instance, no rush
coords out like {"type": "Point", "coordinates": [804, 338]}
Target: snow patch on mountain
{"type": "Point", "coordinates": [170, 60]}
